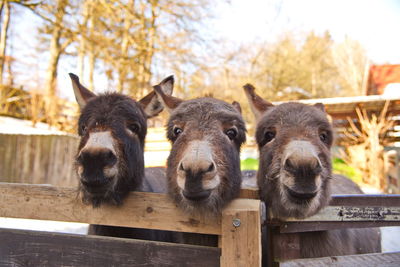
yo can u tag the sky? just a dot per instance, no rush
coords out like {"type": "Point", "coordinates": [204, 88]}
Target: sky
{"type": "Point", "coordinates": [374, 23]}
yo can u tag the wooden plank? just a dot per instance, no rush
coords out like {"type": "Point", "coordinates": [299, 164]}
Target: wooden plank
{"type": "Point", "coordinates": [366, 200]}
{"type": "Point", "coordinates": [141, 210]}
{"type": "Point", "coordinates": [285, 246]}
{"type": "Point", "coordinates": [38, 159]}
{"type": "Point", "coordinates": [249, 192]}
{"type": "Point", "coordinates": [370, 260]}
{"type": "Point", "coordinates": [296, 227]}
{"type": "Point", "coordinates": [241, 239]}
{"type": "Point", "coordinates": [30, 248]}
{"type": "Point", "coordinates": [337, 213]}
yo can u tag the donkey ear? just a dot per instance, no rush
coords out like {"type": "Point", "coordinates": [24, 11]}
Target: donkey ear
{"type": "Point", "coordinates": [151, 103]}
{"type": "Point", "coordinates": [320, 106]}
{"type": "Point", "coordinates": [82, 94]}
{"type": "Point", "coordinates": [236, 105]}
{"type": "Point", "coordinates": [163, 92]}
{"type": "Point", "coordinates": [257, 104]}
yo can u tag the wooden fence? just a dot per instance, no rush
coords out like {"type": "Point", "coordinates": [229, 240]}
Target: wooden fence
{"type": "Point", "coordinates": [38, 159]}
{"type": "Point", "coordinates": [238, 228]}
{"type": "Point", "coordinates": [344, 211]}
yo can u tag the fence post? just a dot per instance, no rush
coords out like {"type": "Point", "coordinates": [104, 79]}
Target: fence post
{"type": "Point", "coordinates": [240, 241]}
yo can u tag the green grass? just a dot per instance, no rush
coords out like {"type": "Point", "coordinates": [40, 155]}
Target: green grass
{"type": "Point", "coordinates": [249, 164]}
{"type": "Point", "coordinates": [340, 167]}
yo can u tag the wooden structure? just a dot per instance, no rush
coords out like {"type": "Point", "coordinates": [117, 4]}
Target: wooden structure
{"type": "Point", "coordinates": [380, 76]}
{"type": "Point", "coordinates": [238, 228]}
{"type": "Point", "coordinates": [38, 159]}
{"type": "Point", "coordinates": [344, 211]}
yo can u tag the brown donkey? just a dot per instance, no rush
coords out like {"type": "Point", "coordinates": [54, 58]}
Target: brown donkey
{"type": "Point", "coordinates": [295, 174]}
{"type": "Point", "coordinates": [203, 168]}
{"type": "Point", "coordinates": [110, 158]}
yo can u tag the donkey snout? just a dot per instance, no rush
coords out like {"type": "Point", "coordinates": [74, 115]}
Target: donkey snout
{"type": "Point", "coordinates": [98, 158]}
{"type": "Point", "coordinates": [197, 166]}
{"type": "Point", "coordinates": [310, 166]}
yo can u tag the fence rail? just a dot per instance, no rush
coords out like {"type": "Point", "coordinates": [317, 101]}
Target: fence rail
{"type": "Point", "coordinates": [32, 248]}
{"type": "Point", "coordinates": [240, 243]}
{"type": "Point", "coordinates": [344, 211]}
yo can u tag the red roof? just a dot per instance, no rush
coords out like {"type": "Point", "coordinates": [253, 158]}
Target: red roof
{"type": "Point", "coordinates": [380, 76]}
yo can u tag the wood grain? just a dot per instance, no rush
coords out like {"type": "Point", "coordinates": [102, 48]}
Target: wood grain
{"type": "Point", "coordinates": [141, 210]}
{"type": "Point", "coordinates": [370, 260]}
{"type": "Point", "coordinates": [38, 159]}
{"type": "Point", "coordinates": [29, 248]}
{"type": "Point", "coordinates": [337, 213]}
{"type": "Point", "coordinates": [249, 192]}
{"type": "Point", "coordinates": [241, 244]}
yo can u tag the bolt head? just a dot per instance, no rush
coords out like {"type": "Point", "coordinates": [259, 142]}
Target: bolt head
{"type": "Point", "coordinates": [236, 222]}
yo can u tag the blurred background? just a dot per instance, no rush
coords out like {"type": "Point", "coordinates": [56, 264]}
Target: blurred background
{"type": "Point", "coordinates": [344, 54]}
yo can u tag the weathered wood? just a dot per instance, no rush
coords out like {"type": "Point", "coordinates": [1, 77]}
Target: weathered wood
{"type": "Point", "coordinates": [241, 239]}
{"type": "Point", "coordinates": [29, 248]}
{"type": "Point", "coordinates": [370, 260]}
{"type": "Point", "coordinates": [297, 227]}
{"type": "Point", "coordinates": [141, 210]}
{"type": "Point", "coordinates": [249, 192]}
{"type": "Point", "coordinates": [336, 213]}
{"type": "Point", "coordinates": [369, 212]}
{"type": "Point", "coordinates": [285, 246]}
{"type": "Point", "coordinates": [38, 159]}
{"type": "Point", "coordinates": [366, 200]}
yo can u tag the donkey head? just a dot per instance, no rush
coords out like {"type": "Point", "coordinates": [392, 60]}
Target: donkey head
{"type": "Point", "coordinates": [294, 141]}
{"type": "Point", "coordinates": [203, 166]}
{"type": "Point", "coordinates": [112, 127]}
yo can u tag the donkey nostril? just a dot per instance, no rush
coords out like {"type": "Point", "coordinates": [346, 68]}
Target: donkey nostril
{"type": "Point", "coordinates": [289, 166]}
{"type": "Point", "coordinates": [211, 167]}
{"type": "Point", "coordinates": [111, 159]}
{"type": "Point", "coordinates": [318, 168]}
{"type": "Point", "coordinates": [110, 155]}
{"type": "Point", "coordinates": [181, 167]}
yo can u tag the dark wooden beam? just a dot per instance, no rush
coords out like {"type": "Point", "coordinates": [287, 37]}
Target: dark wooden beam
{"type": "Point", "coordinates": [296, 227]}
{"type": "Point", "coordinates": [31, 248]}
{"type": "Point", "coordinates": [366, 200]}
{"type": "Point", "coordinates": [374, 259]}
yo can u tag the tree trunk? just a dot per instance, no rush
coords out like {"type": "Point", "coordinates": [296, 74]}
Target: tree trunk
{"type": "Point", "coordinates": [91, 64]}
{"type": "Point", "coordinates": [122, 65]}
{"type": "Point", "coordinates": [3, 37]}
{"type": "Point", "coordinates": [152, 31]}
{"type": "Point", "coordinates": [51, 73]}
{"type": "Point", "coordinates": [148, 36]}
{"type": "Point", "coordinates": [82, 49]}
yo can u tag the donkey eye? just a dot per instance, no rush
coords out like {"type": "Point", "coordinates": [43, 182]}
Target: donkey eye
{"type": "Point", "coordinates": [231, 133]}
{"type": "Point", "coordinates": [269, 136]}
{"type": "Point", "coordinates": [323, 137]}
{"type": "Point", "coordinates": [177, 131]}
{"type": "Point", "coordinates": [134, 127]}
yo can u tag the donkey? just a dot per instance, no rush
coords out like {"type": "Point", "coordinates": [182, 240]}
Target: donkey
{"type": "Point", "coordinates": [110, 158]}
{"type": "Point", "coordinates": [295, 173]}
{"type": "Point", "coordinates": [203, 168]}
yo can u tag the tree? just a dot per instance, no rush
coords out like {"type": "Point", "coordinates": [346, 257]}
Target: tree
{"type": "Point", "coordinates": [61, 36]}
{"type": "Point", "coordinates": [5, 22]}
{"type": "Point", "coordinates": [352, 64]}
{"type": "Point", "coordinates": [139, 40]}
